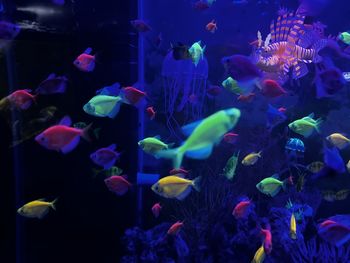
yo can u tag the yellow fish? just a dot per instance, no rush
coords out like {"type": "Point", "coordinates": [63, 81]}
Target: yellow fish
{"type": "Point", "coordinates": [338, 140]}
{"type": "Point", "coordinates": [37, 209]}
{"type": "Point", "coordinates": [259, 256]}
{"type": "Point", "coordinates": [293, 227]}
{"type": "Point", "coordinates": [175, 186]}
{"type": "Point", "coordinates": [251, 158]}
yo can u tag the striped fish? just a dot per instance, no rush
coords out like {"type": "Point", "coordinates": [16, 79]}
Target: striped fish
{"type": "Point", "coordinates": [286, 49]}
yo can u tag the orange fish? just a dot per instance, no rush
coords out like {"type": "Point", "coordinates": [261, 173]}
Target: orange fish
{"type": "Point", "coordinates": [21, 99]}
{"type": "Point", "coordinates": [242, 209]}
{"type": "Point", "coordinates": [156, 209]}
{"type": "Point", "coordinates": [246, 98]}
{"type": "Point", "coordinates": [62, 137]}
{"type": "Point", "coordinates": [151, 113]}
{"type": "Point", "coordinates": [85, 62]}
{"type": "Point", "coordinates": [117, 184]}
{"type": "Point", "coordinates": [211, 26]}
{"type": "Point", "coordinates": [175, 228]}
{"type": "Point", "coordinates": [271, 88]}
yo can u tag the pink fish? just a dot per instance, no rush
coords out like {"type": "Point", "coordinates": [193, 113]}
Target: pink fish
{"type": "Point", "coordinates": [140, 25]}
{"type": "Point", "coordinates": [246, 98]}
{"type": "Point", "coordinates": [242, 209]}
{"type": "Point", "coordinates": [211, 26]}
{"type": "Point", "coordinates": [282, 109]}
{"type": "Point", "coordinates": [117, 184]}
{"type": "Point", "coordinates": [105, 157]}
{"type": "Point", "coordinates": [85, 62]}
{"type": "Point", "coordinates": [132, 95]}
{"type": "Point", "coordinates": [267, 240]}
{"type": "Point", "coordinates": [230, 137]}
{"type": "Point", "coordinates": [62, 137]}
{"type": "Point", "coordinates": [151, 113]}
{"type": "Point", "coordinates": [175, 228]}
{"type": "Point", "coordinates": [272, 89]}
{"type": "Point", "coordinates": [21, 99]}
{"type": "Point", "coordinates": [156, 209]}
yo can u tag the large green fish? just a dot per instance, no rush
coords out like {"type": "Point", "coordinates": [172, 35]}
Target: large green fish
{"type": "Point", "coordinates": [103, 106]}
{"type": "Point", "coordinates": [306, 125]}
{"type": "Point", "coordinates": [203, 135]}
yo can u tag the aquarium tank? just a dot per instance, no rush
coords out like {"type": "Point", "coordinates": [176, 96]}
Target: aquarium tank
{"type": "Point", "coordinates": [175, 131]}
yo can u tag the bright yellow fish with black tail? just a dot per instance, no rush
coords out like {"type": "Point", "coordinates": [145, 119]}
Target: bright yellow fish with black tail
{"type": "Point", "coordinates": [175, 186]}
{"type": "Point", "coordinates": [37, 209]}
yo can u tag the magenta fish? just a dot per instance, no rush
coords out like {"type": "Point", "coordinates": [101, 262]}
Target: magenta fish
{"type": "Point", "coordinates": [85, 62]}
{"type": "Point", "coordinates": [118, 184]}
{"type": "Point", "coordinates": [156, 209]}
{"type": "Point", "coordinates": [21, 99]}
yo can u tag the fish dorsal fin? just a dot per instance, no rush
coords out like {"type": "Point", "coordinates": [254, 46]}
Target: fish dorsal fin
{"type": "Point", "coordinates": [66, 121]}
{"type": "Point", "coordinates": [88, 50]}
{"type": "Point", "coordinates": [189, 128]}
{"type": "Point", "coordinates": [51, 76]}
{"type": "Point", "coordinates": [157, 137]}
{"type": "Point", "coordinates": [182, 175]}
{"type": "Point", "coordinates": [309, 117]}
{"type": "Point", "coordinates": [112, 146]}
{"type": "Point", "coordinates": [276, 176]}
{"type": "Point", "coordinates": [41, 199]}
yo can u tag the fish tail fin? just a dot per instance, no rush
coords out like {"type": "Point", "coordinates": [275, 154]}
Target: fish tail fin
{"type": "Point", "coordinates": [53, 204]}
{"type": "Point", "coordinates": [318, 124]}
{"type": "Point", "coordinates": [259, 153]}
{"type": "Point", "coordinates": [175, 154]}
{"type": "Point", "coordinates": [85, 133]}
{"type": "Point", "coordinates": [196, 183]}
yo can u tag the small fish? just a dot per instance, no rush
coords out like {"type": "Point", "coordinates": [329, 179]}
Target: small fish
{"type": "Point", "coordinates": [259, 256]}
{"type": "Point", "coordinates": [37, 209]}
{"type": "Point", "coordinates": [251, 158]}
{"type": "Point", "coordinates": [156, 209]}
{"type": "Point", "coordinates": [179, 171]}
{"type": "Point", "coordinates": [230, 167]}
{"type": "Point", "coordinates": [345, 37]}
{"type": "Point", "coordinates": [246, 98]}
{"type": "Point", "coordinates": [105, 157]}
{"type": "Point", "coordinates": [61, 137]}
{"type": "Point", "coordinates": [315, 167]}
{"type": "Point", "coordinates": [175, 228]}
{"type": "Point", "coordinates": [267, 240]}
{"type": "Point", "coordinates": [211, 26]}
{"type": "Point", "coordinates": [117, 184]}
{"type": "Point", "coordinates": [152, 145]}
{"type": "Point", "coordinates": [201, 5]}
{"type": "Point", "coordinates": [242, 209]}
{"type": "Point", "coordinates": [282, 109]}
{"type": "Point", "coordinates": [272, 89]}
{"type": "Point", "coordinates": [202, 136]}
{"type": "Point", "coordinates": [103, 106]}
{"type": "Point", "coordinates": [52, 85]}
{"type": "Point", "coordinates": [333, 159]}
{"type": "Point", "coordinates": [328, 196]}
{"type": "Point", "coordinates": [21, 99]}
{"type": "Point", "coordinates": [151, 113]}
{"type": "Point", "coordinates": [231, 137]}
{"type": "Point", "coordinates": [332, 196]}
{"type": "Point", "coordinates": [85, 62]}
{"type": "Point", "coordinates": [271, 185]}
{"type": "Point", "coordinates": [232, 85]}
{"type": "Point", "coordinates": [131, 95]}
{"type": "Point", "coordinates": [174, 186]}
{"type": "Point", "coordinates": [274, 116]}
{"type": "Point", "coordinates": [196, 52]}
{"type": "Point", "coordinates": [338, 140]}
{"type": "Point", "coordinates": [306, 126]}
{"type": "Point", "coordinates": [213, 90]}
{"type": "Point", "coordinates": [112, 90]}
{"type": "Point", "coordinates": [342, 194]}
{"type": "Point", "coordinates": [140, 25]}
{"type": "Point", "coordinates": [293, 227]}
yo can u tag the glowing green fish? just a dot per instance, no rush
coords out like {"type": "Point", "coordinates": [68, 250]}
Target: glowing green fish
{"type": "Point", "coordinates": [196, 52]}
{"type": "Point", "coordinates": [232, 85]}
{"type": "Point", "coordinates": [306, 125]}
{"type": "Point", "coordinates": [152, 145]}
{"type": "Point", "coordinates": [271, 185]}
{"type": "Point", "coordinates": [203, 135]}
{"type": "Point", "coordinates": [345, 37]}
{"type": "Point", "coordinates": [103, 106]}
{"type": "Point", "coordinates": [230, 167]}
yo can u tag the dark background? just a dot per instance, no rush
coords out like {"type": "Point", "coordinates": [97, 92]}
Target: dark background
{"type": "Point", "coordinates": [89, 220]}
